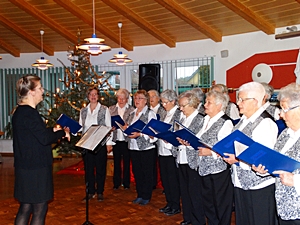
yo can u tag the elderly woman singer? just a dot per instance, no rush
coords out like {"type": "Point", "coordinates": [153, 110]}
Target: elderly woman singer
{"type": "Point", "coordinates": [216, 185]}
{"type": "Point", "coordinates": [120, 149]}
{"type": "Point", "coordinates": [287, 186]}
{"type": "Point", "coordinates": [189, 179]}
{"type": "Point", "coordinates": [168, 169]}
{"type": "Point", "coordinates": [253, 193]}
{"type": "Point", "coordinates": [141, 149]}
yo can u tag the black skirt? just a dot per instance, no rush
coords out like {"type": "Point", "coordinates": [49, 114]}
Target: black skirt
{"type": "Point", "coordinates": [34, 186]}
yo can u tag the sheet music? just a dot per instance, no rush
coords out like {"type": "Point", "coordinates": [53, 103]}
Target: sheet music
{"type": "Point", "coordinates": [94, 136]}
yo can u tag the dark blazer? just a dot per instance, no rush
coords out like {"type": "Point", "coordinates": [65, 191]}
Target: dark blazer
{"type": "Point", "coordinates": [32, 139]}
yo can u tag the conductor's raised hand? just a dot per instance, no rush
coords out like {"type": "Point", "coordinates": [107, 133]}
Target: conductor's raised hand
{"type": "Point", "coordinates": [57, 128]}
{"type": "Point", "coordinates": [67, 131]}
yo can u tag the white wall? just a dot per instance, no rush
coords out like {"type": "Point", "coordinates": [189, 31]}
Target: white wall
{"type": "Point", "coordinates": [240, 47]}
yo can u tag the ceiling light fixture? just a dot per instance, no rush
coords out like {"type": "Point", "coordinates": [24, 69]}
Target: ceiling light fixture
{"type": "Point", "coordinates": [120, 59]}
{"type": "Point", "coordinates": [42, 63]}
{"type": "Point", "coordinates": [94, 45]}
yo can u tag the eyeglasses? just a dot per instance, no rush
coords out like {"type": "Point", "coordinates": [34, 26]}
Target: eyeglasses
{"type": "Point", "coordinates": [164, 103]}
{"type": "Point", "coordinates": [243, 99]}
{"type": "Point", "coordinates": [182, 106]}
{"type": "Point", "coordinates": [289, 109]}
{"type": "Point", "coordinates": [93, 94]}
{"type": "Point", "coordinates": [139, 99]}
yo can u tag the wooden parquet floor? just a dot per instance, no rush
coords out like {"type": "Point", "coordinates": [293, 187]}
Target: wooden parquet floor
{"type": "Point", "coordinates": [67, 209]}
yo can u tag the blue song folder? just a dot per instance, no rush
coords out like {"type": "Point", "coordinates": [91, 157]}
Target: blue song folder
{"type": "Point", "coordinates": [137, 126]}
{"type": "Point", "coordinates": [257, 153]}
{"type": "Point", "coordinates": [179, 131]}
{"type": "Point", "coordinates": [155, 126]}
{"type": "Point", "coordinates": [226, 145]}
{"type": "Point", "coordinates": [65, 121]}
{"type": "Point", "coordinates": [169, 136]}
{"type": "Point", "coordinates": [118, 119]}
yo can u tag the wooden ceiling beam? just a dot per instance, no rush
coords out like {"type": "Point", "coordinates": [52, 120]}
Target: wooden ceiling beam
{"type": "Point", "coordinates": [43, 18]}
{"type": "Point", "coordinates": [133, 17]}
{"type": "Point", "coordinates": [9, 48]}
{"type": "Point", "coordinates": [189, 18]}
{"type": "Point", "coordinates": [24, 35]}
{"type": "Point", "coordinates": [88, 19]}
{"type": "Point", "coordinates": [250, 16]}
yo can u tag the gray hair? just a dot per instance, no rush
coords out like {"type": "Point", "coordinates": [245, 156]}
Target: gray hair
{"type": "Point", "coordinates": [222, 87]}
{"type": "Point", "coordinates": [154, 91]}
{"type": "Point", "coordinates": [268, 89]}
{"type": "Point", "coordinates": [199, 93]}
{"type": "Point", "coordinates": [291, 94]}
{"type": "Point", "coordinates": [123, 91]}
{"type": "Point", "coordinates": [254, 90]}
{"type": "Point", "coordinates": [193, 101]}
{"type": "Point", "coordinates": [170, 95]}
{"type": "Point", "coordinates": [220, 98]}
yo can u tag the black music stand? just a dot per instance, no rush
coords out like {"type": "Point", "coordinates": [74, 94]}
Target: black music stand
{"type": "Point", "coordinates": [88, 139]}
{"type": "Point", "coordinates": [87, 222]}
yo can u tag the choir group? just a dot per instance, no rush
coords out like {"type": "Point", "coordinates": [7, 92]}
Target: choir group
{"type": "Point", "coordinates": [201, 184]}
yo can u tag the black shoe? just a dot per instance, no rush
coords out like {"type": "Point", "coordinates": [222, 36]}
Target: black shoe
{"type": "Point", "coordinates": [116, 188]}
{"type": "Point", "coordinates": [126, 188]}
{"type": "Point", "coordinates": [172, 212]}
{"type": "Point", "coordinates": [144, 201]}
{"type": "Point", "coordinates": [164, 209]}
{"type": "Point", "coordinates": [137, 200]}
{"type": "Point", "coordinates": [185, 222]}
{"type": "Point", "coordinates": [100, 197]}
{"type": "Point", "coordinates": [90, 196]}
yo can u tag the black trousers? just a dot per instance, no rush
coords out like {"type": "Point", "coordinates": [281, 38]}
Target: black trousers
{"type": "Point", "coordinates": [142, 167]}
{"type": "Point", "coordinates": [217, 194]}
{"type": "Point", "coordinates": [121, 154]}
{"type": "Point", "coordinates": [170, 180]}
{"type": "Point", "coordinates": [95, 159]}
{"type": "Point", "coordinates": [191, 197]}
{"type": "Point", "coordinates": [255, 207]}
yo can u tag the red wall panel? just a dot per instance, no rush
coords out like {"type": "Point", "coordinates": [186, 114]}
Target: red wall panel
{"type": "Point", "coordinates": [282, 74]}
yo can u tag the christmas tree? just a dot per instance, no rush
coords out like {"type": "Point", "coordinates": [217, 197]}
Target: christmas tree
{"type": "Point", "coordinates": [77, 80]}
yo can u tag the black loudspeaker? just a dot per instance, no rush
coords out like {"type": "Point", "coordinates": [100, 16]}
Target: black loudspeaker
{"type": "Point", "coordinates": [149, 77]}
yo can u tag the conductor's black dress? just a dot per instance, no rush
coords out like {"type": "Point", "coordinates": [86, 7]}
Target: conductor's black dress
{"type": "Point", "coordinates": [32, 155]}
